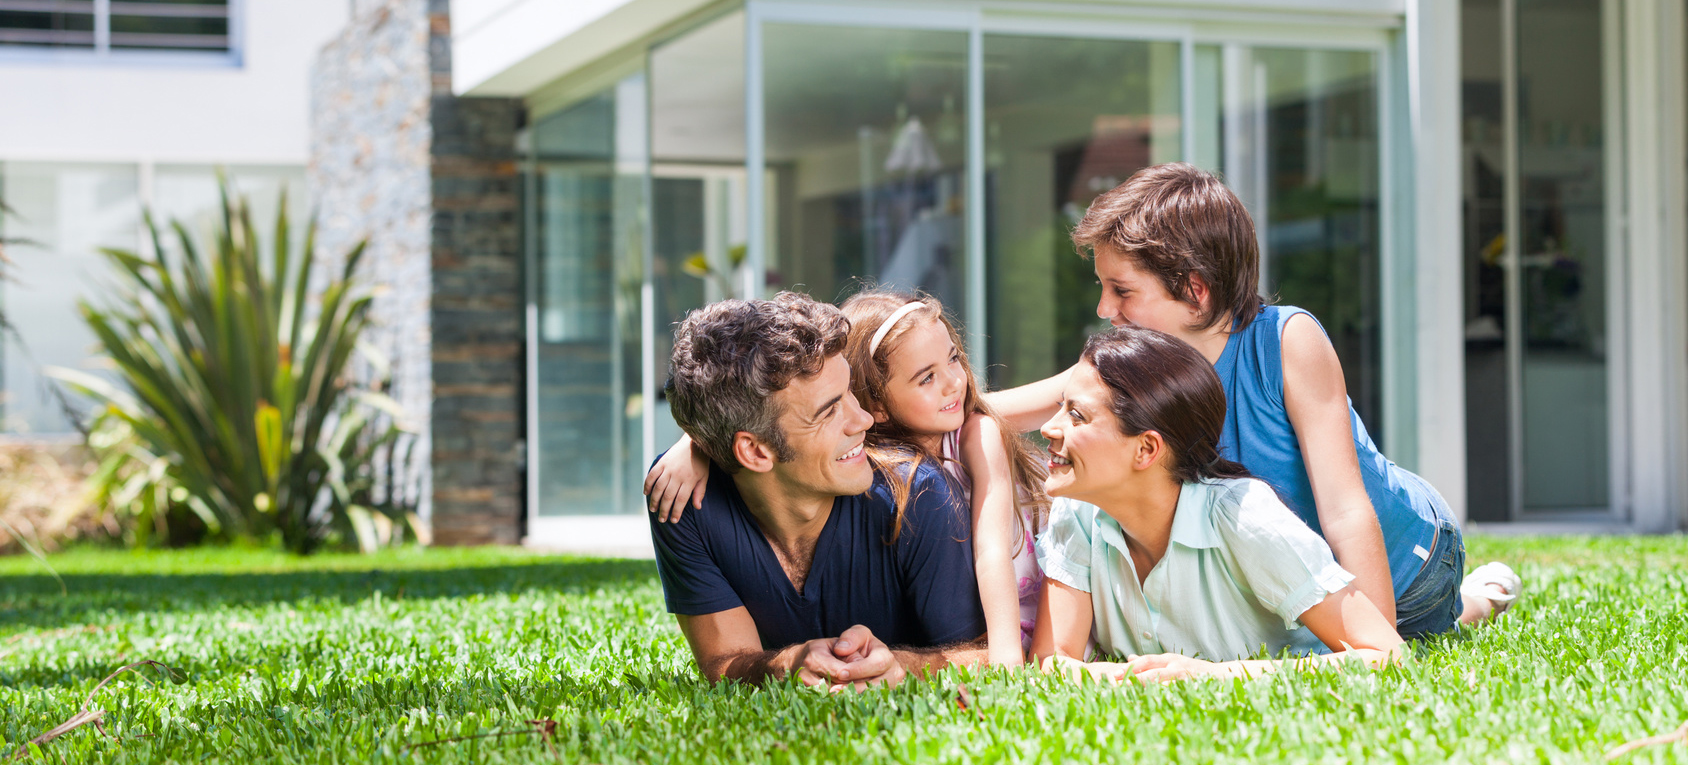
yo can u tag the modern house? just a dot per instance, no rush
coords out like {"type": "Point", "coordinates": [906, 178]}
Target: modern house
{"type": "Point", "coordinates": [1482, 200]}
{"type": "Point", "coordinates": [110, 107]}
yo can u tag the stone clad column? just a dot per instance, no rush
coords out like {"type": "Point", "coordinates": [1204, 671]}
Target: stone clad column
{"type": "Point", "coordinates": [430, 180]}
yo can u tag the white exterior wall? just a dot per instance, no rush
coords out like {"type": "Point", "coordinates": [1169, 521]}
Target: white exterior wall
{"type": "Point", "coordinates": [125, 110]}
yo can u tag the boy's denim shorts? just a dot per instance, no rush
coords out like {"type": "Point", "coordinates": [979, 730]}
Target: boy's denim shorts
{"type": "Point", "coordinates": [1432, 605]}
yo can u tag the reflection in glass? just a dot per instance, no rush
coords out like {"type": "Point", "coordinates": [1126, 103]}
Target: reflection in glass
{"type": "Point", "coordinates": [866, 144]}
{"type": "Point", "coordinates": [189, 193]}
{"type": "Point", "coordinates": [64, 213]}
{"type": "Point", "coordinates": [1308, 172]}
{"type": "Point", "coordinates": [1537, 416]}
{"type": "Point", "coordinates": [586, 193]}
{"type": "Point", "coordinates": [1487, 411]}
{"type": "Point", "coordinates": [1561, 254]}
{"type": "Point", "coordinates": [698, 205]}
{"type": "Point", "coordinates": [1065, 120]}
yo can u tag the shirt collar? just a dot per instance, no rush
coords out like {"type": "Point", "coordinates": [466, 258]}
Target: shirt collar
{"type": "Point", "coordinates": [1192, 524]}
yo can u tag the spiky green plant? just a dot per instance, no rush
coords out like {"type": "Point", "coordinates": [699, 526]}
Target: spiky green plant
{"type": "Point", "coordinates": [239, 406]}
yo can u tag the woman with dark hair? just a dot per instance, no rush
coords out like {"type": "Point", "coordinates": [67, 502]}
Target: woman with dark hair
{"type": "Point", "coordinates": [1160, 550]}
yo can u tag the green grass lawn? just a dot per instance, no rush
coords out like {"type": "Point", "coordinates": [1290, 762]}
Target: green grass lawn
{"type": "Point", "coordinates": [354, 659]}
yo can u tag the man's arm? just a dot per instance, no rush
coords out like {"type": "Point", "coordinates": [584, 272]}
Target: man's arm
{"type": "Point", "coordinates": [928, 661]}
{"type": "Point", "coordinates": [727, 646]}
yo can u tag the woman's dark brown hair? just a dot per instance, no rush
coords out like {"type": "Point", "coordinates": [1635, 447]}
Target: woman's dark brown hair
{"type": "Point", "coordinates": [1176, 221]}
{"type": "Point", "coordinates": [1162, 384]}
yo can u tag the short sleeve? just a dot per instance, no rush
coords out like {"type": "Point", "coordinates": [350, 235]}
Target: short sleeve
{"type": "Point", "coordinates": [1289, 568]}
{"type": "Point", "coordinates": [935, 552]}
{"type": "Point", "coordinates": [1063, 549]}
{"type": "Point", "coordinates": [692, 582]}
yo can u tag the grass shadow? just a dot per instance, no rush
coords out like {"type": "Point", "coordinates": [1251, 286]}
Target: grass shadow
{"type": "Point", "coordinates": [35, 602]}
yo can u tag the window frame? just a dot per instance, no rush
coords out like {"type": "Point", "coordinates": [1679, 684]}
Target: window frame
{"type": "Point", "coordinates": [103, 54]}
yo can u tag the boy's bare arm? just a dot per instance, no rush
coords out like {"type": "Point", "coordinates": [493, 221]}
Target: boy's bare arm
{"type": "Point", "coordinates": [1316, 397]}
{"type": "Point", "coordinates": [1027, 407]}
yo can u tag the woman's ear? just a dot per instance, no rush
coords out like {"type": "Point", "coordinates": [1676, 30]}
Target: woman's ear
{"type": "Point", "coordinates": [880, 417]}
{"type": "Point", "coordinates": [754, 455]}
{"type": "Point", "coordinates": [1151, 447]}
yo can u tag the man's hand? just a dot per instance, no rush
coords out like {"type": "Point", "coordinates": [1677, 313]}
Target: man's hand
{"type": "Point", "coordinates": [855, 660]}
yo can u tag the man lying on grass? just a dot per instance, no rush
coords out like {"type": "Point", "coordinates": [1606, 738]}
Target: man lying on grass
{"type": "Point", "coordinates": [800, 560]}
{"type": "Point", "coordinates": [1163, 551]}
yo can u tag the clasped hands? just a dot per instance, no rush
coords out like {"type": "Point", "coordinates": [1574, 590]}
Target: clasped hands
{"type": "Point", "coordinates": [854, 660]}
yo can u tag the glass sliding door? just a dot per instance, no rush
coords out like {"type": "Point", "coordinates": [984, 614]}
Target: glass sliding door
{"type": "Point", "coordinates": [1538, 212]}
{"type": "Point", "coordinates": [698, 213]}
{"type": "Point", "coordinates": [1484, 168]}
{"type": "Point", "coordinates": [865, 159]}
{"type": "Point", "coordinates": [587, 197]}
{"type": "Point", "coordinates": [1302, 152]}
{"type": "Point", "coordinates": [1065, 120]}
{"type": "Point", "coordinates": [1558, 263]}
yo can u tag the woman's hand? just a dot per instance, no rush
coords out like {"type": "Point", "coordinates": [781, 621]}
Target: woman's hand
{"type": "Point", "coordinates": [681, 474]}
{"type": "Point", "coordinates": [1162, 667]}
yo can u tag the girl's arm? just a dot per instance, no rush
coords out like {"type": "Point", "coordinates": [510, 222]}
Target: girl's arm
{"type": "Point", "coordinates": [994, 508]}
{"type": "Point", "coordinates": [1316, 397]}
{"type": "Point", "coordinates": [681, 473]}
{"type": "Point", "coordinates": [1027, 407]}
{"type": "Point", "coordinates": [1063, 630]}
{"type": "Point", "coordinates": [1345, 620]}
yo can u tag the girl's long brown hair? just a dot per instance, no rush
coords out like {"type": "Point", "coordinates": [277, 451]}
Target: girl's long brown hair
{"type": "Point", "coordinates": [892, 447]}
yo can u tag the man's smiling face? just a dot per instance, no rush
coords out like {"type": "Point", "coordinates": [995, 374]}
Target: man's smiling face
{"type": "Point", "coordinates": [825, 429]}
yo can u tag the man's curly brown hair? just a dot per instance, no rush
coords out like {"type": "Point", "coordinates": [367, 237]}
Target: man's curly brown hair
{"type": "Point", "coordinates": [731, 357]}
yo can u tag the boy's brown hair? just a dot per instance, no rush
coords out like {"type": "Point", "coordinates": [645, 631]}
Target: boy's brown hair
{"type": "Point", "coordinates": [1174, 221]}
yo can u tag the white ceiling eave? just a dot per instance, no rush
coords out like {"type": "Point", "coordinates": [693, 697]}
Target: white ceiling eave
{"type": "Point", "coordinates": [512, 47]}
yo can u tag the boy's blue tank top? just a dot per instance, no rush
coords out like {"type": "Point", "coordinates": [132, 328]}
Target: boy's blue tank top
{"type": "Point", "coordinates": [1258, 434]}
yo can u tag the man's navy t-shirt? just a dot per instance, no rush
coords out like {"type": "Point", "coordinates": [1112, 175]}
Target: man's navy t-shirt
{"type": "Point", "coordinates": [917, 591]}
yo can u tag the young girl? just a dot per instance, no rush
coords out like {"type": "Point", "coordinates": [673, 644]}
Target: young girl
{"type": "Point", "coordinates": [1175, 251]}
{"type": "Point", "coordinates": [908, 370]}
{"type": "Point", "coordinates": [1162, 551]}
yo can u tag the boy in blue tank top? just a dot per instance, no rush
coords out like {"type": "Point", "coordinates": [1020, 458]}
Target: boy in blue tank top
{"type": "Point", "coordinates": [1175, 251]}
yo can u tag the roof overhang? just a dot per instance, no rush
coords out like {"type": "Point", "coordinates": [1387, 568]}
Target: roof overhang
{"type": "Point", "coordinates": [511, 48]}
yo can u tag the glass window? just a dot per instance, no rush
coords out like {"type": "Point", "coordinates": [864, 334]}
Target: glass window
{"type": "Point", "coordinates": [55, 28]}
{"type": "Point", "coordinates": [1065, 120]}
{"type": "Point", "coordinates": [1536, 270]}
{"type": "Point", "coordinates": [63, 215]}
{"type": "Point", "coordinates": [189, 193]}
{"type": "Point", "coordinates": [1304, 158]}
{"type": "Point", "coordinates": [193, 25]}
{"type": "Point", "coordinates": [698, 203]}
{"type": "Point", "coordinates": [586, 195]}
{"type": "Point", "coordinates": [1484, 168]}
{"type": "Point", "coordinates": [866, 147]}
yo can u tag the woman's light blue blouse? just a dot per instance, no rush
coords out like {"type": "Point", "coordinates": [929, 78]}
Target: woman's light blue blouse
{"type": "Point", "coordinates": [1239, 571]}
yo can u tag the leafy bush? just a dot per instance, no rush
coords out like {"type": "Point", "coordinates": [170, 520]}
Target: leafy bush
{"type": "Point", "coordinates": [240, 417]}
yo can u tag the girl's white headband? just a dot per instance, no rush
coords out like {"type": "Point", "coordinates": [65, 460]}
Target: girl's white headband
{"type": "Point", "coordinates": [884, 329]}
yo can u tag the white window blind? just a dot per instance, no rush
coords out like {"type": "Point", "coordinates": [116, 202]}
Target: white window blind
{"type": "Point", "coordinates": [107, 25]}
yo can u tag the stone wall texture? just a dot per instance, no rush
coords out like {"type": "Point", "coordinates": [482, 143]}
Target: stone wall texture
{"type": "Point", "coordinates": [369, 176]}
{"type": "Point", "coordinates": [432, 181]}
